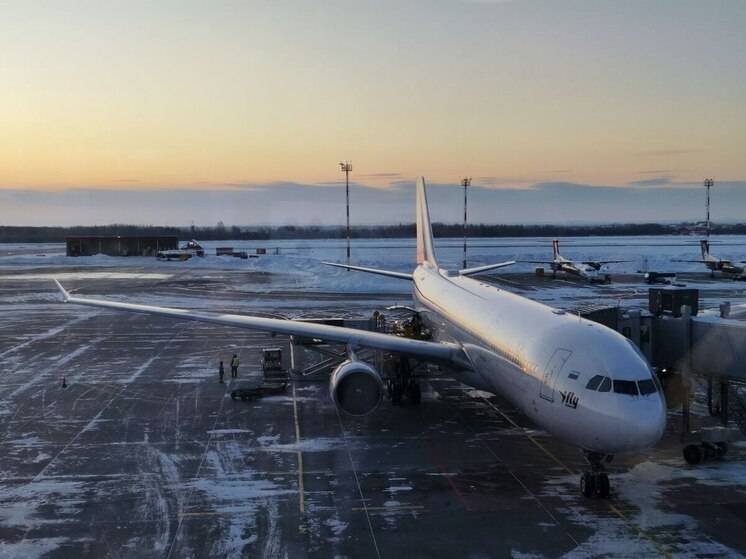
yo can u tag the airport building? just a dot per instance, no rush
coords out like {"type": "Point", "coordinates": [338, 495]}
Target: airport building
{"type": "Point", "coordinates": [120, 245]}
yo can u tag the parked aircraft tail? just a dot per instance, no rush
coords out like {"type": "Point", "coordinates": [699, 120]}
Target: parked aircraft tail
{"type": "Point", "coordinates": [425, 248]}
{"type": "Point", "coordinates": [555, 249]}
{"type": "Point", "coordinates": [705, 244]}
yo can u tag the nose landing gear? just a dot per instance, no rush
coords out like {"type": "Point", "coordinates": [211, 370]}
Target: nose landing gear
{"type": "Point", "coordinates": [596, 482]}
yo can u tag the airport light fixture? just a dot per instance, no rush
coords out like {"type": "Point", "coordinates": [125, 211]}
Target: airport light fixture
{"type": "Point", "coordinates": [346, 167]}
{"type": "Point", "coordinates": [465, 182]}
{"type": "Point", "coordinates": [708, 185]}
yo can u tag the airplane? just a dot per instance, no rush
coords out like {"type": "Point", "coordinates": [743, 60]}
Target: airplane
{"type": "Point", "coordinates": [580, 381]}
{"type": "Point", "coordinates": [715, 264]}
{"type": "Point", "coordinates": [586, 269]}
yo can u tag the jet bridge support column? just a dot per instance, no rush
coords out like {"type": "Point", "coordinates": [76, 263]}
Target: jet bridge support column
{"type": "Point", "coordinates": [686, 365]}
{"type": "Point", "coordinates": [724, 400]}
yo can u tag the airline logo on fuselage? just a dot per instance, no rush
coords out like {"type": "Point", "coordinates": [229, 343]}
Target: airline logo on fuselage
{"type": "Point", "coordinates": [570, 399]}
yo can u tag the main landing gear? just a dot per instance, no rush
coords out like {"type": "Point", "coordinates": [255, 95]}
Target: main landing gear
{"type": "Point", "coordinates": [403, 385]}
{"type": "Point", "coordinates": [596, 482]}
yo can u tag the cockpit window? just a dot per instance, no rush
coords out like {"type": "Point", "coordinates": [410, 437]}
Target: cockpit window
{"type": "Point", "coordinates": [605, 385]}
{"type": "Point", "coordinates": [594, 382]}
{"type": "Point", "coordinates": [625, 387]}
{"type": "Point", "coordinates": [646, 386]}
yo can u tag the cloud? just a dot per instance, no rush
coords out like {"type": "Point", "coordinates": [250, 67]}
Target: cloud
{"type": "Point", "coordinates": [295, 203]}
{"type": "Point", "coordinates": [669, 152]}
{"type": "Point", "coordinates": [381, 175]}
{"type": "Point", "coordinates": [656, 181]}
{"type": "Point", "coordinates": [655, 172]}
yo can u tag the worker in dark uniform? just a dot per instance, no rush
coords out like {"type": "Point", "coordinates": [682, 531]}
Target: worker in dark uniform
{"type": "Point", "coordinates": [221, 372]}
{"type": "Point", "coordinates": [234, 366]}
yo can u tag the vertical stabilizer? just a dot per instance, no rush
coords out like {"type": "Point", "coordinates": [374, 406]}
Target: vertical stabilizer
{"type": "Point", "coordinates": [705, 244]}
{"type": "Point", "coordinates": [425, 249]}
{"type": "Point", "coordinates": [555, 249]}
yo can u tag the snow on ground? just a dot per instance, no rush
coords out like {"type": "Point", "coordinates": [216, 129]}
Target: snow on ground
{"type": "Point", "coordinates": [645, 487]}
{"type": "Point", "coordinates": [61, 276]}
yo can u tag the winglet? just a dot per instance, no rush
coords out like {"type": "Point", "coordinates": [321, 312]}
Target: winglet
{"type": "Point", "coordinates": [65, 294]}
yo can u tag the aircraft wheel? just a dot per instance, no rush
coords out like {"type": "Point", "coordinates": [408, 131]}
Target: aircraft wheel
{"type": "Point", "coordinates": [587, 485]}
{"type": "Point", "coordinates": [693, 454]}
{"type": "Point", "coordinates": [414, 393]}
{"type": "Point", "coordinates": [603, 487]}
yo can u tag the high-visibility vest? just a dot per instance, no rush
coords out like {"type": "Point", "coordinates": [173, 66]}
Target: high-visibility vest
{"type": "Point", "coordinates": [234, 362]}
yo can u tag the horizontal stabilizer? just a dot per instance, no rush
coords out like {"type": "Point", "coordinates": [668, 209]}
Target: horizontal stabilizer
{"type": "Point", "coordinates": [488, 267]}
{"type": "Point", "coordinates": [398, 275]}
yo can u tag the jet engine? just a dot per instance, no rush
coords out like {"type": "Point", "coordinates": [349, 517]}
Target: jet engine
{"type": "Point", "coordinates": [356, 388]}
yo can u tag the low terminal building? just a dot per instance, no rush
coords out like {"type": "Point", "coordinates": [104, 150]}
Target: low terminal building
{"type": "Point", "coordinates": [120, 245]}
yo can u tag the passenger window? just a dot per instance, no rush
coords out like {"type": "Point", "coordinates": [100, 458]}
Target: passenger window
{"type": "Point", "coordinates": [625, 387]}
{"type": "Point", "coordinates": [605, 385]}
{"type": "Point", "coordinates": [646, 386]}
{"type": "Point", "coordinates": [594, 382]}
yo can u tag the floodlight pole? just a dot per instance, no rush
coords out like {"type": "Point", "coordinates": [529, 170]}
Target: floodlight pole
{"type": "Point", "coordinates": [466, 181]}
{"type": "Point", "coordinates": [708, 186]}
{"type": "Point", "coordinates": [346, 168]}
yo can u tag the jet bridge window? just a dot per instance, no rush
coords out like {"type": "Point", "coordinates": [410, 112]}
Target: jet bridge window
{"type": "Point", "coordinates": [646, 386]}
{"type": "Point", "coordinates": [625, 387]}
{"type": "Point", "coordinates": [594, 382]}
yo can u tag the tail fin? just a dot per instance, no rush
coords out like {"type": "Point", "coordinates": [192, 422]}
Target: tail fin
{"type": "Point", "coordinates": [555, 249]}
{"type": "Point", "coordinates": [425, 249]}
{"type": "Point", "coordinates": [705, 244]}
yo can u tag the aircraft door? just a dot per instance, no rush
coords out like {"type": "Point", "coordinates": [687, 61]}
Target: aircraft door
{"type": "Point", "coordinates": [552, 371]}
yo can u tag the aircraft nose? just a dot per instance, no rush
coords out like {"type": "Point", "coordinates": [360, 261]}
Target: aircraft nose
{"type": "Point", "coordinates": [647, 424]}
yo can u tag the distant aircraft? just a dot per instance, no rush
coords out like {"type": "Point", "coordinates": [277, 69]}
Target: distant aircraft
{"type": "Point", "coordinates": [586, 269]}
{"type": "Point", "coordinates": [715, 264]}
{"type": "Point", "coordinates": [580, 381]}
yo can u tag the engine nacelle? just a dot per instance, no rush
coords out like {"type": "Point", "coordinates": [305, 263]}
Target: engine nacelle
{"type": "Point", "coordinates": [356, 388]}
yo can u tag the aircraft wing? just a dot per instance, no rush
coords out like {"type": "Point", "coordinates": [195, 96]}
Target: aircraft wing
{"type": "Point", "coordinates": [602, 262]}
{"type": "Point", "coordinates": [536, 261]}
{"type": "Point", "coordinates": [488, 267]}
{"type": "Point", "coordinates": [693, 261]}
{"type": "Point", "coordinates": [447, 353]}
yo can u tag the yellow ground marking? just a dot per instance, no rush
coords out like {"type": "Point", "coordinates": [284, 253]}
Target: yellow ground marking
{"type": "Point", "coordinates": [301, 490]}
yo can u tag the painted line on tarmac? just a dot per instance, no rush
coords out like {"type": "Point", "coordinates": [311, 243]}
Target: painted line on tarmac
{"type": "Point", "coordinates": [301, 490]}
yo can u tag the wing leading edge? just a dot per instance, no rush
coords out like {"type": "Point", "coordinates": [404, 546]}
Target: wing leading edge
{"type": "Point", "coordinates": [447, 353]}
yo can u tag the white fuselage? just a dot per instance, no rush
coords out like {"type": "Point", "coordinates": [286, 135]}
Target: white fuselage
{"type": "Point", "coordinates": [541, 359]}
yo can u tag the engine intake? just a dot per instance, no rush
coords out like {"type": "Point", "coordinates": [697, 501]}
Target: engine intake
{"type": "Point", "coordinates": [356, 388]}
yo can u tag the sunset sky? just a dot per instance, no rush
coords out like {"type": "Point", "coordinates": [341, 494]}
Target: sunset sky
{"type": "Point", "coordinates": [222, 96]}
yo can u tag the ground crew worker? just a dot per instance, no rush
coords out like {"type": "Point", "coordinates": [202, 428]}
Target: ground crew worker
{"type": "Point", "coordinates": [221, 372]}
{"type": "Point", "coordinates": [234, 366]}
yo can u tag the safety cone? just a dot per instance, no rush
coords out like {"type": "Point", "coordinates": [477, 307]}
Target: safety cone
{"type": "Point", "coordinates": [64, 382]}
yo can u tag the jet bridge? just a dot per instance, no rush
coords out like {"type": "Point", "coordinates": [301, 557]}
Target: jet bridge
{"type": "Point", "coordinates": [681, 341]}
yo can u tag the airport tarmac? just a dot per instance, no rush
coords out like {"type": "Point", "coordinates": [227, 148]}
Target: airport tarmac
{"type": "Point", "coordinates": [144, 454]}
